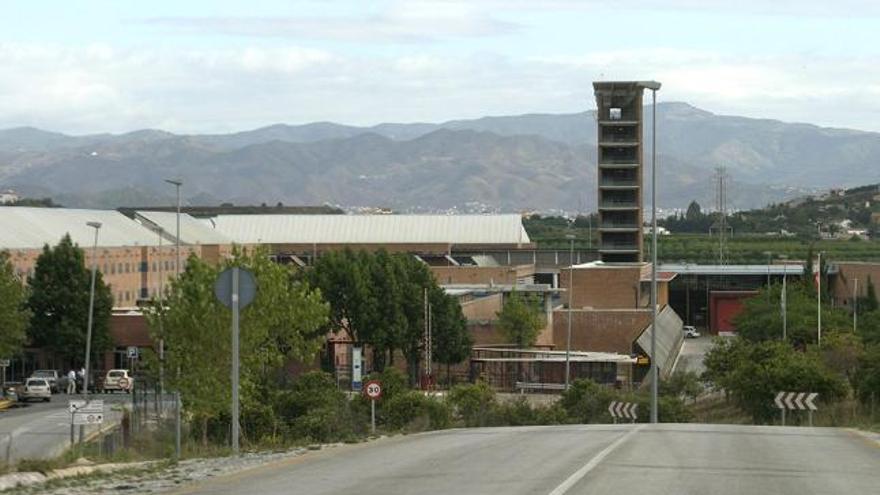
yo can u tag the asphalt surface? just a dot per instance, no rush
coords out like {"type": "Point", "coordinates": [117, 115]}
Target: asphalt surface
{"type": "Point", "coordinates": [690, 357]}
{"type": "Point", "coordinates": [41, 430]}
{"type": "Point", "coordinates": [595, 460]}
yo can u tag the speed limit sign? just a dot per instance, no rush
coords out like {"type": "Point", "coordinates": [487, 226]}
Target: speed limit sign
{"type": "Point", "coordinates": [373, 389]}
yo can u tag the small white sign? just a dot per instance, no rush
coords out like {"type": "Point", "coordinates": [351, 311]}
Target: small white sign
{"type": "Point", "coordinates": [132, 352]}
{"type": "Point", "coordinates": [88, 418]}
{"type": "Point", "coordinates": [4, 363]}
{"type": "Point", "coordinates": [95, 406]}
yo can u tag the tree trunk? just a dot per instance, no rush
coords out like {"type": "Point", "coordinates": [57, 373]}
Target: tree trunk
{"type": "Point", "coordinates": [204, 431]}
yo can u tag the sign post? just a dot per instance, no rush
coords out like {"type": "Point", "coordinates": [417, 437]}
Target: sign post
{"type": "Point", "coordinates": [623, 410]}
{"type": "Point", "coordinates": [373, 389]}
{"type": "Point", "coordinates": [235, 288]}
{"type": "Point", "coordinates": [796, 401]}
{"type": "Point", "coordinates": [85, 412]}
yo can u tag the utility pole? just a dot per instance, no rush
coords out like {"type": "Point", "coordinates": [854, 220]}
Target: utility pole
{"type": "Point", "coordinates": [784, 309]}
{"type": "Point", "coordinates": [86, 366]}
{"type": "Point", "coordinates": [655, 375]}
{"type": "Point", "coordinates": [570, 307]}
{"type": "Point", "coordinates": [819, 301]}
{"type": "Point", "coordinates": [855, 300]}
{"type": "Point", "coordinates": [177, 184]}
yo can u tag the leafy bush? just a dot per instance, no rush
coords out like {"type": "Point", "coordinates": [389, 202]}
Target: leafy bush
{"type": "Point", "coordinates": [403, 408]}
{"type": "Point", "coordinates": [473, 403]}
{"type": "Point", "coordinates": [753, 373]}
{"type": "Point", "coordinates": [586, 401]}
{"type": "Point", "coordinates": [318, 411]}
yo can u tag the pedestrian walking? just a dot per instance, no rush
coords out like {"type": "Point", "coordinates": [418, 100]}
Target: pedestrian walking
{"type": "Point", "coordinates": [71, 382]}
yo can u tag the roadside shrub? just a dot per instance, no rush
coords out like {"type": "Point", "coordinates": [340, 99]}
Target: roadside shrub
{"type": "Point", "coordinates": [403, 408]}
{"type": "Point", "coordinates": [473, 403]}
{"type": "Point", "coordinates": [586, 401]}
{"type": "Point", "coordinates": [439, 414]}
{"type": "Point", "coordinates": [318, 411]}
{"type": "Point", "coordinates": [393, 382]}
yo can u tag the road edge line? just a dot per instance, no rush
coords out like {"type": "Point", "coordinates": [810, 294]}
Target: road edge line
{"type": "Point", "coordinates": [592, 463]}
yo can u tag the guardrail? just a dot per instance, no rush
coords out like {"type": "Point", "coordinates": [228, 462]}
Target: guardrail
{"type": "Point", "coordinates": [523, 386]}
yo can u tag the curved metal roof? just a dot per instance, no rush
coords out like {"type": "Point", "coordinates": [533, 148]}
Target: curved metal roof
{"type": "Point", "coordinates": [28, 228]}
{"type": "Point", "coordinates": [372, 229]}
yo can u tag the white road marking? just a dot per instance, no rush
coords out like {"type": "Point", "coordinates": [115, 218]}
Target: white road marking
{"type": "Point", "coordinates": [592, 463]}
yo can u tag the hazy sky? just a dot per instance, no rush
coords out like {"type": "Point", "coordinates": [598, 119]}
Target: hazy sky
{"type": "Point", "coordinates": [217, 66]}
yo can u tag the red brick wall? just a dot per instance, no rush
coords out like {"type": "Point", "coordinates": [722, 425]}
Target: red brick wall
{"type": "Point", "coordinates": [600, 330]}
{"type": "Point", "coordinates": [603, 287]}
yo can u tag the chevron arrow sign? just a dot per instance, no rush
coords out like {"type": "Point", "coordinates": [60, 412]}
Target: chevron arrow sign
{"type": "Point", "coordinates": [778, 400]}
{"type": "Point", "coordinates": [809, 402]}
{"type": "Point", "coordinates": [623, 410]}
{"type": "Point", "coordinates": [796, 401]}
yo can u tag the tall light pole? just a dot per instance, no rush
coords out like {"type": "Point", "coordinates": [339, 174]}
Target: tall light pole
{"type": "Point", "coordinates": [97, 227]}
{"type": "Point", "coordinates": [855, 299]}
{"type": "Point", "coordinates": [654, 86]}
{"type": "Point", "coordinates": [570, 237]}
{"type": "Point", "coordinates": [177, 184]}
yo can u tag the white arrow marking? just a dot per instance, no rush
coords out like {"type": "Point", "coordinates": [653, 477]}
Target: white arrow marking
{"type": "Point", "coordinates": [810, 399]}
{"type": "Point", "coordinates": [788, 398]}
{"type": "Point", "coordinates": [632, 411]}
{"type": "Point", "coordinates": [611, 409]}
{"type": "Point", "coordinates": [778, 400]}
{"type": "Point", "coordinates": [620, 409]}
{"type": "Point", "coordinates": [799, 401]}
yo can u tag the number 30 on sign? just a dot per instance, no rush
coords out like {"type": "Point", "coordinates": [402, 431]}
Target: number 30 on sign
{"type": "Point", "coordinates": [373, 389]}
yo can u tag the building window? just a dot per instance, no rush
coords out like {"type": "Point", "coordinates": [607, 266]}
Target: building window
{"type": "Point", "coordinates": [614, 113]}
{"type": "Point", "coordinates": [112, 268]}
{"type": "Point", "coordinates": [154, 266]}
{"type": "Point", "coordinates": [119, 267]}
{"type": "Point", "coordinates": [126, 268]}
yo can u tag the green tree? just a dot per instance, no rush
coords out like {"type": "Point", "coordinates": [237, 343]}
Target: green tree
{"type": "Point", "coordinates": [694, 212]}
{"type": "Point", "coordinates": [450, 337]}
{"type": "Point", "coordinates": [761, 317]}
{"type": "Point", "coordinates": [343, 277]}
{"type": "Point", "coordinates": [867, 375]}
{"type": "Point", "coordinates": [13, 314]}
{"type": "Point", "coordinates": [283, 324]}
{"type": "Point", "coordinates": [519, 320]}
{"type": "Point", "coordinates": [59, 304]}
{"type": "Point", "coordinates": [753, 373]}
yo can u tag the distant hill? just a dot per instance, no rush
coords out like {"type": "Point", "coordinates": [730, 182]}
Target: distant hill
{"type": "Point", "coordinates": [539, 162]}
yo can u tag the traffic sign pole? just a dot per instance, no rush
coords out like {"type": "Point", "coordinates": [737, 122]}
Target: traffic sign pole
{"type": "Point", "coordinates": [235, 357]}
{"type": "Point", "coordinates": [373, 416]}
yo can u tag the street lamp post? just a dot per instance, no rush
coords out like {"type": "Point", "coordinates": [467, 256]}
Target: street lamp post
{"type": "Point", "coordinates": [87, 366]}
{"type": "Point", "coordinates": [177, 184]}
{"type": "Point", "coordinates": [570, 237]}
{"type": "Point", "coordinates": [654, 86]}
{"type": "Point", "coordinates": [97, 227]}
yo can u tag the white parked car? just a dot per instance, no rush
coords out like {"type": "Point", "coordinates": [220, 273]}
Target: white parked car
{"type": "Point", "coordinates": [35, 388]}
{"type": "Point", "coordinates": [117, 380]}
{"type": "Point", "coordinates": [50, 376]}
{"type": "Point", "coordinates": [690, 332]}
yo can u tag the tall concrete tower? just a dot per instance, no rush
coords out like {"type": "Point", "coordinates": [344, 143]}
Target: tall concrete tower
{"type": "Point", "coordinates": [619, 118]}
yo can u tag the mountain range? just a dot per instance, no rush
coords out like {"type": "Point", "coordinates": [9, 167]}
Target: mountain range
{"type": "Point", "coordinates": [544, 162]}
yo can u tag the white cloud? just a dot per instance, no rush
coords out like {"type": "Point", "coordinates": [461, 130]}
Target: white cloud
{"type": "Point", "coordinates": [409, 21]}
{"type": "Point", "coordinates": [97, 88]}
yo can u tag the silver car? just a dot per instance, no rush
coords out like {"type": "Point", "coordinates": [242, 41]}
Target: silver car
{"type": "Point", "coordinates": [36, 388]}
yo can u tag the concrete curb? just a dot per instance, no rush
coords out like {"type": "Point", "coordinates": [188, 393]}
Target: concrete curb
{"type": "Point", "coordinates": [18, 480]}
{"type": "Point", "coordinates": [869, 436]}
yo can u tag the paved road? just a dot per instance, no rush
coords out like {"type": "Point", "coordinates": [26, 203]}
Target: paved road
{"type": "Point", "coordinates": [41, 430]}
{"type": "Point", "coordinates": [690, 358]}
{"type": "Point", "coordinates": [595, 460]}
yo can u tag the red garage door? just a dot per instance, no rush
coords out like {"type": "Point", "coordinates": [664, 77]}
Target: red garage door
{"type": "Point", "coordinates": [724, 306]}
